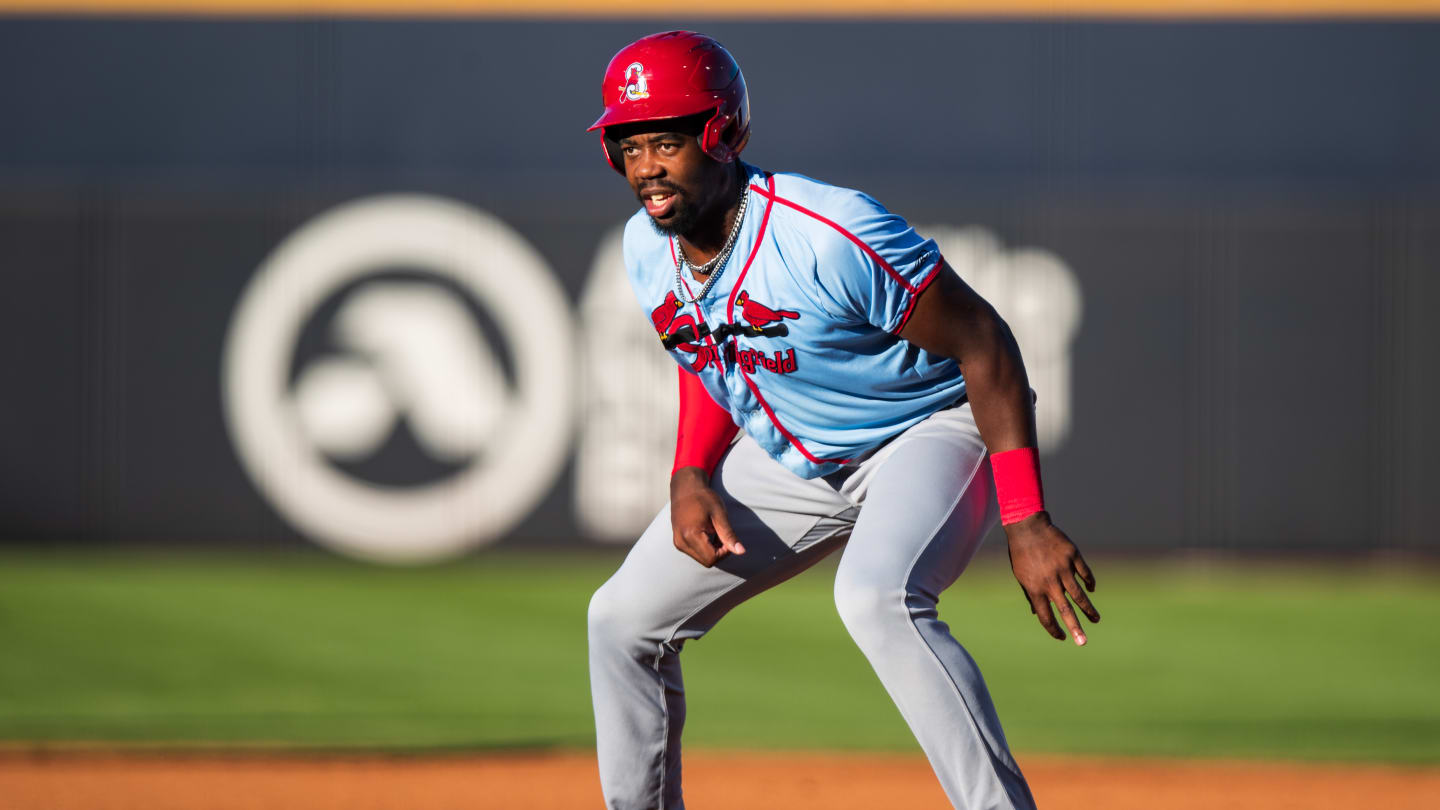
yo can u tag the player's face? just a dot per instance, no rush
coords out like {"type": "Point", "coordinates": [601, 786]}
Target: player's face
{"type": "Point", "coordinates": [676, 182]}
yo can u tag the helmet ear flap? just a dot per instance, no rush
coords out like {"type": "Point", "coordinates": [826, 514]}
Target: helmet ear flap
{"type": "Point", "coordinates": [613, 155]}
{"type": "Point", "coordinates": [722, 139]}
{"type": "Point", "coordinates": [736, 141]}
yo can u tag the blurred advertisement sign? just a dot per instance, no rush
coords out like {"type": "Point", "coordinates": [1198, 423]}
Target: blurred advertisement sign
{"type": "Point", "coordinates": [406, 353]}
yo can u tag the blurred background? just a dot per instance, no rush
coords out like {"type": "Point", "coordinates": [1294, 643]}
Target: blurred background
{"type": "Point", "coordinates": [326, 404]}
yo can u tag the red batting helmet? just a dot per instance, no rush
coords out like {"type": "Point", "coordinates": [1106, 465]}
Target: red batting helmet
{"type": "Point", "coordinates": [671, 75]}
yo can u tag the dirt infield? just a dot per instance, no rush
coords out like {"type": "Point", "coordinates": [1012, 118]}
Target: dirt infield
{"type": "Point", "coordinates": [757, 781]}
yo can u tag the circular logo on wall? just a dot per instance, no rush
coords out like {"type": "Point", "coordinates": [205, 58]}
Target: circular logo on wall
{"type": "Point", "coordinates": [398, 379]}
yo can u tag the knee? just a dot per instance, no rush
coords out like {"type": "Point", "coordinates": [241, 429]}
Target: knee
{"type": "Point", "coordinates": [604, 618]}
{"type": "Point", "coordinates": [869, 609]}
{"type": "Point", "coordinates": [873, 608]}
{"type": "Point", "coordinates": [611, 619]}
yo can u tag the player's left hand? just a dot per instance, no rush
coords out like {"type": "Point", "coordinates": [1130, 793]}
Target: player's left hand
{"type": "Point", "coordinates": [1046, 562]}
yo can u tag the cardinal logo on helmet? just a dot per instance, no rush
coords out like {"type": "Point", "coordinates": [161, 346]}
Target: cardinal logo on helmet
{"type": "Point", "coordinates": [635, 89]}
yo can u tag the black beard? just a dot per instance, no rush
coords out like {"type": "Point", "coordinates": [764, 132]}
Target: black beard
{"type": "Point", "coordinates": [681, 221]}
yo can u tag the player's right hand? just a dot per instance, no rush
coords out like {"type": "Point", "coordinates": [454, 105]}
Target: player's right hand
{"type": "Point", "coordinates": [698, 519]}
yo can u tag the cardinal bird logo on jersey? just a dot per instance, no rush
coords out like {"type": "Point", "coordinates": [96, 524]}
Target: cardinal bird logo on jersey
{"type": "Point", "coordinates": [665, 315]}
{"type": "Point", "coordinates": [670, 321]}
{"type": "Point", "coordinates": [760, 316]}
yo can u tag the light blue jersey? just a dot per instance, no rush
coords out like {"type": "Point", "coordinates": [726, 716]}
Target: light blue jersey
{"type": "Point", "coordinates": [797, 338]}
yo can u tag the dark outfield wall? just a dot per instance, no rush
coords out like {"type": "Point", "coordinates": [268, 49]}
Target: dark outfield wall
{"type": "Point", "coordinates": [1222, 241]}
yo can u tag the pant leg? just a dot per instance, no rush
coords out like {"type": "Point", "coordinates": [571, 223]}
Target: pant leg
{"type": "Point", "coordinates": [659, 598]}
{"type": "Point", "coordinates": [925, 511]}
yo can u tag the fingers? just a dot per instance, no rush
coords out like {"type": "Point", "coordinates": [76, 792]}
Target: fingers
{"type": "Point", "coordinates": [1067, 614]}
{"type": "Point", "coordinates": [1041, 608]}
{"type": "Point", "coordinates": [701, 527]}
{"type": "Point", "coordinates": [697, 545]}
{"type": "Point", "coordinates": [707, 543]}
{"type": "Point", "coordinates": [1050, 571]}
{"type": "Point", "coordinates": [728, 541]}
{"type": "Point", "coordinates": [1084, 571]}
{"type": "Point", "coordinates": [1081, 600]}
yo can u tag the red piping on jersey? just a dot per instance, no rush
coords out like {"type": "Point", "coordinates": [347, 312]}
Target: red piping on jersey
{"type": "Point", "coordinates": [915, 296]}
{"type": "Point", "coordinates": [754, 249]}
{"type": "Point", "coordinates": [869, 251]}
{"type": "Point", "coordinates": [755, 389]}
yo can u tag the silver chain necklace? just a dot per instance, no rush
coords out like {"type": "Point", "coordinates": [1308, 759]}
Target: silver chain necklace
{"type": "Point", "coordinates": [716, 265]}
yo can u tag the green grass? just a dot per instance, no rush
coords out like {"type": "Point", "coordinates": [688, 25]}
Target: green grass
{"type": "Point", "coordinates": [1279, 661]}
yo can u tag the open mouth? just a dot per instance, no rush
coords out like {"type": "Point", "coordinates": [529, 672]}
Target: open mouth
{"type": "Point", "coordinates": [658, 203]}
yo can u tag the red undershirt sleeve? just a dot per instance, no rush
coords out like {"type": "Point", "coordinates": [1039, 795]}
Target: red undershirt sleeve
{"type": "Point", "coordinates": [705, 428]}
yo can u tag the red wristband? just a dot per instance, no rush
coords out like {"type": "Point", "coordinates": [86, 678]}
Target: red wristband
{"type": "Point", "coordinates": [705, 429]}
{"type": "Point", "coordinates": [1017, 484]}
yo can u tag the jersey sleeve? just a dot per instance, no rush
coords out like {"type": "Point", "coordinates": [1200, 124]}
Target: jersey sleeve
{"type": "Point", "coordinates": [876, 265]}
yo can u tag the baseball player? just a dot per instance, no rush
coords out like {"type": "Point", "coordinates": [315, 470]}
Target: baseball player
{"type": "Point", "coordinates": [884, 407]}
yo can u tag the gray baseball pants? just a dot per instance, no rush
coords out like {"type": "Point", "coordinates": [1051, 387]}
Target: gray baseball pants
{"type": "Point", "coordinates": [913, 512]}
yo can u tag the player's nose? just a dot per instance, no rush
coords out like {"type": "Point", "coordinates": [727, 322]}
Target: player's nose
{"type": "Point", "coordinates": [645, 166]}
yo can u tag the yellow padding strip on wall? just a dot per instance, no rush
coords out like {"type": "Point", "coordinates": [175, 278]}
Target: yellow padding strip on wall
{"type": "Point", "coordinates": [1160, 9]}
